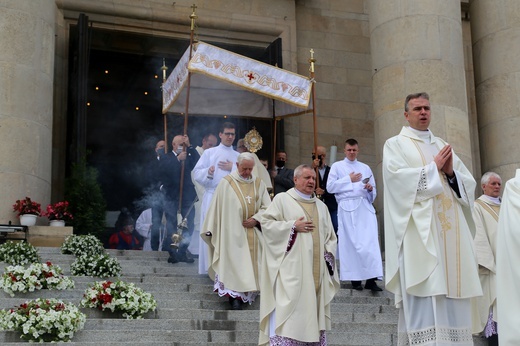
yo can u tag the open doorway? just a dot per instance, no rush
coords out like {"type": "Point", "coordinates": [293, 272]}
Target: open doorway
{"type": "Point", "coordinates": [123, 118]}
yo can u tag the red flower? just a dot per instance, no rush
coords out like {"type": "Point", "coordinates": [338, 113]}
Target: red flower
{"type": "Point", "coordinates": [58, 211]}
{"type": "Point", "coordinates": [26, 206]}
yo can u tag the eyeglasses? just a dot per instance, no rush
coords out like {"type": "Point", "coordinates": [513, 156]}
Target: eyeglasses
{"type": "Point", "coordinates": [229, 134]}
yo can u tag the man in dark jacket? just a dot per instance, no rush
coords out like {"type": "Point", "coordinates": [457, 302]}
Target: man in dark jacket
{"type": "Point", "coordinates": [183, 153]}
{"type": "Point", "coordinates": [320, 161]}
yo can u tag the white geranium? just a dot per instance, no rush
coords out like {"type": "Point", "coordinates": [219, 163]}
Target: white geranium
{"type": "Point", "coordinates": [35, 277]}
{"type": "Point", "coordinates": [43, 320]}
{"type": "Point", "coordinates": [81, 245]}
{"type": "Point", "coordinates": [18, 253]}
{"type": "Point", "coordinates": [120, 296]}
{"type": "Point", "coordinates": [100, 265]}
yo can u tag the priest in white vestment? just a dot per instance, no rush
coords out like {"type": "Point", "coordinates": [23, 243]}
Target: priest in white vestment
{"type": "Point", "coordinates": [143, 226]}
{"type": "Point", "coordinates": [231, 231]}
{"type": "Point", "coordinates": [208, 141]}
{"type": "Point", "coordinates": [353, 184]}
{"type": "Point", "coordinates": [508, 264]}
{"type": "Point", "coordinates": [431, 265]}
{"type": "Point", "coordinates": [214, 164]}
{"type": "Point", "coordinates": [485, 215]}
{"type": "Point", "coordinates": [299, 278]}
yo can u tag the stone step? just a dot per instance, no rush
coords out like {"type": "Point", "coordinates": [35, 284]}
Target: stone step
{"type": "Point", "coordinates": [190, 313]}
{"type": "Point", "coordinates": [203, 337]}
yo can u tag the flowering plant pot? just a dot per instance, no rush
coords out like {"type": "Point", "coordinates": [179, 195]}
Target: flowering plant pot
{"type": "Point", "coordinates": [28, 219]}
{"type": "Point", "coordinates": [43, 320]}
{"type": "Point", "coordinates": [100, 265]}
{"type": "Point", "coordinates": [82, 244]}
{"type": "Point", "coordinates": [18, 253]}
{"type": "Point", "coordinates": [58, 211]}
{"type": "Point", "coordinates": [27, 206]}
{"type": "Point", "coordinates": [35, 277]}
{"type": "Point", "coordinates": [119, 296]}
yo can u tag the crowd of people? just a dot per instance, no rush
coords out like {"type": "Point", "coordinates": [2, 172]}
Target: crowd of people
{"type": "Point", "coordinates": [292, 235]}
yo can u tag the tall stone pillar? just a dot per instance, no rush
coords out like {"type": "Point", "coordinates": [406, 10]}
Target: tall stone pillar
{"type": "Point", "coordinates": [495, 32]}
{"type": "Point", "coordinates": [417, 46]}
{"type": "Point", "coordinates": [26, 98]}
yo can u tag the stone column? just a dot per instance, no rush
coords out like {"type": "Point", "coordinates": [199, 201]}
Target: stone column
{"type": "Point", "coordinates": [26, 98]}
{"type": "Point", "coordinates": [417, 46]}
{"type": "Point", "coordinates": [495, 31]}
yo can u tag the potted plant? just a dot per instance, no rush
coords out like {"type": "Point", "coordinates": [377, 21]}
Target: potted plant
{"type": "Point", "coordinates": [27, 210]}
{"type": "Point", "coordinates": [43, 320]}
{"type": "Point", "coordinates": [35, 277]}
{"type": "Point", "coordinates": [119, 296]}
{"type": "Point", "coordinates": [58, 213]}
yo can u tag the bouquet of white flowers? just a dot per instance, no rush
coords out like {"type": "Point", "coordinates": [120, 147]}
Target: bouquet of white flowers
{"type": "Point", "coordinates": [36, 277]}
{"type": "Point", "coordinates": [43, 320]}
{"type": "Point", "coordinates": [18, 253]}
{"type": "Point", "coordinates": [121, 296]}
{"type": "Point", "coordinates": [101, 265]}
{"type": "Point", "coordinates": [82, 244]}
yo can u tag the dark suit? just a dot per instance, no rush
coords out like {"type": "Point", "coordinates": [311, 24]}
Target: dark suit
{"type": "Point", "coordinates": [328, 198]}
{"type": "Point", "coordinates": [155, 199]}
{"type": "Point", "coordinates": [171, 177]}
{"type": "Point", "coordinates": [283, 180]}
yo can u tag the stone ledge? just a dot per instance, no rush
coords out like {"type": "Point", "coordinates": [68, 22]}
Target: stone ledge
{"type": "Point", "coordinates": [43, 235]}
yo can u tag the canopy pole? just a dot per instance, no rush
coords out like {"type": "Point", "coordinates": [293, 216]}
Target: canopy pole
{"type": "Point", "coordinates": [164, 69]}
{"type": "Point", "coordinates": [193, 16]}
{"type": "Point", "coordinates": [177, 237]}
{"type": "Point", "coordinates": [312, 60]}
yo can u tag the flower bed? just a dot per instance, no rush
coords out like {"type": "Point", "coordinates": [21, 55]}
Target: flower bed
{"type": "Point", "coordinates": [119, 296]}
{"type": "Point", "coordinates": [36, 277]}
{"type": "Point", "coordinates": [18, 253]}
{"type": "Point", "coordinates": [43, 320]}
{"type": "Point", "coordinates": [101, 265]}
{"type": "Point", "coordinates": [82, 244]}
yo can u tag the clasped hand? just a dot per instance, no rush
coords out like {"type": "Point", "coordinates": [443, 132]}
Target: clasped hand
{"type": "Point", "coordinates": [444, 160]}
{"type": "Point", "coordinates": [303, 226]}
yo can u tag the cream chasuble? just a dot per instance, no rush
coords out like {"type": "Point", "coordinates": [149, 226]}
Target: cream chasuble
{"type": "Point", "coordinates": [429, 245]}
{"type": "Point", "coordinates": [234, 251]}
{"type": "Point", "coordinates": [296, 285]}
{"type": "Point", "coordinates": [508, 268]}
{"type": "Point", "coordinates": [485, 215]}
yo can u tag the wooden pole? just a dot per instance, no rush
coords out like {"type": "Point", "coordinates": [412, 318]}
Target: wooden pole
{"type": "Point", "coordinates": [314, 118]}
{"type": "Point", "coordinates": [193, 16]}
{"type": "Point", "coordinates": [165, 118]}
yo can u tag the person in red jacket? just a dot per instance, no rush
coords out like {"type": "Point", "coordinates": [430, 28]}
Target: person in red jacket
{"type": "Point", "coordinates": [124, 238]}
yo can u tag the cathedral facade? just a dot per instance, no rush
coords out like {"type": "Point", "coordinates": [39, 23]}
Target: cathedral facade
{"type": "Point", "coordinates": [369, 55]}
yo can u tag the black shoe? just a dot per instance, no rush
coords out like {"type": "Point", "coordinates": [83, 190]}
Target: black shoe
{"type": "Point", "coordinates": [172, 259]}
{"type": "Point", "coordinates": [357, 285]}
{"type": "Point", "coordinates": [183, 257]}
{"type": "Point", "coordinates": [235, 304]}
{"type": "Point", "coordinates": [371, 285]}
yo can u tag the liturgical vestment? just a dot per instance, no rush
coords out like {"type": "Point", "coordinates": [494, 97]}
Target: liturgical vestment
{"type": "Point", "coordinates": [485, 215]}
{"type": "Point", "coordinates": [508, 268]}
{"type": "Point", "coordinates": [235, 251]}
{"type": "Point", "coordinates": [296, 284]}
{"type": "Point", "coordinates": [211, 157]}
{"type": "Point", "coordinates": [431, 266]}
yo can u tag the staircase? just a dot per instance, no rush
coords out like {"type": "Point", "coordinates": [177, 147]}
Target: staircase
{"type": "Point", "coordinates": [189, 313]}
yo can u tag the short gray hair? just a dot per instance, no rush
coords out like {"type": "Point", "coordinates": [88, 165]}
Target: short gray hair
{"type": "Point", "coordinates": [421, 95]}
{"type": "Point", "coordinates": [485, 178]}
{"type": "Point", "coordinates": [298, 171]}
{"type": "Point", "coordinates": [246, 156]}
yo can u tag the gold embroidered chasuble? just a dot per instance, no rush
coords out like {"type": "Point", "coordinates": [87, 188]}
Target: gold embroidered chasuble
{"type": "Point", "coordinates": [296, 285]}
{"type": "Point", "coordinates": [234, 251]}
{"type": "Point", "coordinates": [426, 222]}
{"type": "Point", "coordinates": [485, 215]}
